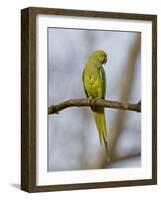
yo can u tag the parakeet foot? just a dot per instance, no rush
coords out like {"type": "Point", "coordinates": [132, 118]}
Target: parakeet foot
{"type": "Point", "coordinates": [96, 99]}
{"type": "Point", "coordinates": [89, 100]}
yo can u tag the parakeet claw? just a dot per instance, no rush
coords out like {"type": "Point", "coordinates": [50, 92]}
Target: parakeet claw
{"type": "Point", "coordinates": [89, 100]}
{"type": "Point", "coordinates": [95, 100]}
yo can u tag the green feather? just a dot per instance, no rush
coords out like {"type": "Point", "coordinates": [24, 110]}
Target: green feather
{"type": "Point", "coordinates": [94, 82]}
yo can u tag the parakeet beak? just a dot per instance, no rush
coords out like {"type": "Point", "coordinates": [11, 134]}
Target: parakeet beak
{"type": "Point", "coordinates": [104, 61]}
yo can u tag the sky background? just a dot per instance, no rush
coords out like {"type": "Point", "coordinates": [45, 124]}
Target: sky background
{"type": "Point", "coordinates": [73, 142]}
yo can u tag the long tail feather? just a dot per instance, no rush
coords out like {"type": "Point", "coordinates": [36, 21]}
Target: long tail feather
{"type": "Point", "coordinates": [99, 117]}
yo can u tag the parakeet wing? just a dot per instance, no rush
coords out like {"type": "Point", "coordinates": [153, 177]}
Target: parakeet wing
{"type": "Point", "coordinates": [103, 79]}
{"type": "Point", "coordinates": [84, 83]}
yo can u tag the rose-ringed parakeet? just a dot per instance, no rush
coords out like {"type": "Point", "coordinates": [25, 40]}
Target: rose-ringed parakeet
{"type": "Point", "coordinates": [94, 82]}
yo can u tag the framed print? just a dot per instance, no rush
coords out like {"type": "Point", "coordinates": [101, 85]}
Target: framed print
{"type": "Point", "coordinates": [88, 99]}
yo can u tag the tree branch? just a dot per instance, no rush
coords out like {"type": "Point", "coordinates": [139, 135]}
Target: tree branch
{"type": "Point", "coordinates": [54, 109]}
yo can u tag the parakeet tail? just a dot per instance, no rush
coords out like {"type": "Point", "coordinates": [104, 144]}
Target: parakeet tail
{"type": "Point", "coordinates": [99, 117]}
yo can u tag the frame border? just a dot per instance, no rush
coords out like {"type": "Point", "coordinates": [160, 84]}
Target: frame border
{"type": "Point", "coordinates": [28, 98]}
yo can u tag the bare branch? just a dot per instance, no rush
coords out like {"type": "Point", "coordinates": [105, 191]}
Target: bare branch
{"type": "Point", "coordinates": [54, 109]}
{"type": "Point", "coordinates": [126, 83]}
{"type": "Point", "coordinates": [128, 156]}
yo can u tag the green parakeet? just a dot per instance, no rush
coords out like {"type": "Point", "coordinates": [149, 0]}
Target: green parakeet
{"type": "Point", "coordinates": [94, 82]}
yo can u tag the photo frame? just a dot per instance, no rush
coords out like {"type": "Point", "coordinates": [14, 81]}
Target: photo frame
{"type": "Point", "coordinates": [36, 175]}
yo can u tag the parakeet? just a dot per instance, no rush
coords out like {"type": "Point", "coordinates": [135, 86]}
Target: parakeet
{"type": "Point", "coordinates": [94, 82]}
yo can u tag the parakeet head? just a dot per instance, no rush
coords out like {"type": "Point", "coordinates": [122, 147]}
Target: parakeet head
{"type": "Point", "coordinates": [100, 56]}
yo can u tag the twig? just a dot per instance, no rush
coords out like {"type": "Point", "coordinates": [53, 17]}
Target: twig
{"type": "Point", "coordinates": [126, 83]}
{"type": "Point", "coordinates": [54, 109]}
{"type": "Point", "coordinates": [128, 156]}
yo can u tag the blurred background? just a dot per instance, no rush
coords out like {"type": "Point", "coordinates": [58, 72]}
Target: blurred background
{"type": "Point", "coordinates": [73, 141]}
